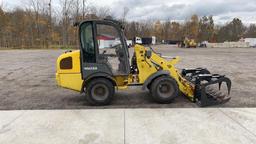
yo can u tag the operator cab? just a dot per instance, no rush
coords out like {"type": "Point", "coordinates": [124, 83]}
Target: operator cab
{"type": "Point", "coordinates": [103, 49]}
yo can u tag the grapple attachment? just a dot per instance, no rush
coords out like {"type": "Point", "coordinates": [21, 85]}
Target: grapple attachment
{"type": "Point", "coordinates": [208, 86]}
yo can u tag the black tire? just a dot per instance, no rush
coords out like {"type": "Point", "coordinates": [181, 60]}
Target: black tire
{"type": "Point", "coordinates": [100, 91]}
{"type": "Point", "coordinates": [164, 89]}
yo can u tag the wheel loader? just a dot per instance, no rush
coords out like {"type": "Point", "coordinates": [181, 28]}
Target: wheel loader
{"type": "Point", "coordinates": [103, 65]}
{"type": "Point", "coordinates": [188, 43]}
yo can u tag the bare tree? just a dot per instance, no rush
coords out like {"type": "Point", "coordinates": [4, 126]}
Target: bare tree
{"type": "Point", "coordinates": [103, 12]}
{"type": "Point", "coordinates": [66, 11]}
{"type": "Point", "coordinates": [2, 24]}
{"type": "Point", "coordinates": [1, 4]}
{"type": "Point", "coordinates": [84, 8]}
{"type": "Point", "coordinates": [35, 4]}
{"type": "Point", "coordinates": [79, 10]}
{"type": "Point", "coordinates": [49, 41]}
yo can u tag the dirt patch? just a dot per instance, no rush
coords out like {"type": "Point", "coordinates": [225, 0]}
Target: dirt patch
{"type": "Point", "coordinates": [28, 79]}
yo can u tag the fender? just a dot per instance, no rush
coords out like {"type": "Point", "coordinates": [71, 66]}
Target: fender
{"type": "Point", "coordinates": [98, 75]}
{"type": "Point", "coordinates": [154, 76]}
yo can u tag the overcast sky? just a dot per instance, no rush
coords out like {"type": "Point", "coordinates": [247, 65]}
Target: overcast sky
{"type": "Point", "coordinates": [222, 10]}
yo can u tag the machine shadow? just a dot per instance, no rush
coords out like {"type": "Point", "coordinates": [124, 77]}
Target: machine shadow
{"type": "Point", "coordinates": [128, 99]}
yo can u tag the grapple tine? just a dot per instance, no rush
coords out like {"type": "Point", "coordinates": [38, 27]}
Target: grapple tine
{"type": "Point", "coordinates": [228, 82]}
{"type": "Point", "coordinates": [220, 83]}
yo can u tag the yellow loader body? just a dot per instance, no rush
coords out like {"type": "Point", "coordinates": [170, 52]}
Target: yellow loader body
{"type": "Point", "coordinates": [72, 79]}
{"type": "Point", "coordinates": [69, 77]}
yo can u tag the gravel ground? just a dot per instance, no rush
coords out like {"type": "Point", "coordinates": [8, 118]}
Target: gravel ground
{"type": "Point", "coordinates": [27, 79]}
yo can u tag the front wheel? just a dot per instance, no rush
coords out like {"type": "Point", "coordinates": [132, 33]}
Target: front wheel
{"type": "Point", "coordinates": [100, 91]}
{"type": "Point", "coordinates": [164, 89]}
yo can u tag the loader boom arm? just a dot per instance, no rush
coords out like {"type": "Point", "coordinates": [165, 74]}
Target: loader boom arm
{"type": "Point", "coordinates": [148, 66]}
{"type": "Point", "coordinates": [193, 83]}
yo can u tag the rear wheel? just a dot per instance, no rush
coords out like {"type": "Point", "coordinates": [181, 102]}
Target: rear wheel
{"type": "Point", "coordinates": [164, 89]}
{"type": "Point", "coordinates": [100, 91]}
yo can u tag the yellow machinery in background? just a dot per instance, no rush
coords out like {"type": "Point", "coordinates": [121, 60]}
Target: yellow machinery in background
{"type": "Point", "coordinates": [188, 43]}
{"type": "Point", "coordinates": [98, 69]}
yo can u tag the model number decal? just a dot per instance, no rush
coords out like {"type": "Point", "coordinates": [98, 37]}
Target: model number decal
{"type": "Point", "coordinates": [90, 68]}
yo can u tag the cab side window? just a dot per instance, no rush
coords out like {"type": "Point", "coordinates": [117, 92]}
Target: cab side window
{"type": "Point", "coordinates": [107, 37]}
{"type": "Point", "coordinates": [87, 41]}
{"type": "Point", "coordinates": [111, 49]}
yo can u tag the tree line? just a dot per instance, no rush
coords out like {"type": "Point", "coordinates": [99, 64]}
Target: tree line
{"type": "Point", "coordinates": [40, 25]}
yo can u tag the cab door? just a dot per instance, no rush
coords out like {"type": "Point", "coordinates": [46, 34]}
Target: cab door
{"type": "Point", "coordinates": [103, 49]}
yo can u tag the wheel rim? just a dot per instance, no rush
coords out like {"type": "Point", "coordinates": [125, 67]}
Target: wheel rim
{"type": "Point", "coordinates": [165, 90]}
{"type": "Point", "coordinates": [100, 92]}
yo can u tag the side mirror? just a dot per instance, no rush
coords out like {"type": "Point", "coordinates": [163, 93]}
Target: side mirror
{"type": "Point", "coordinates": [148, 54]}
